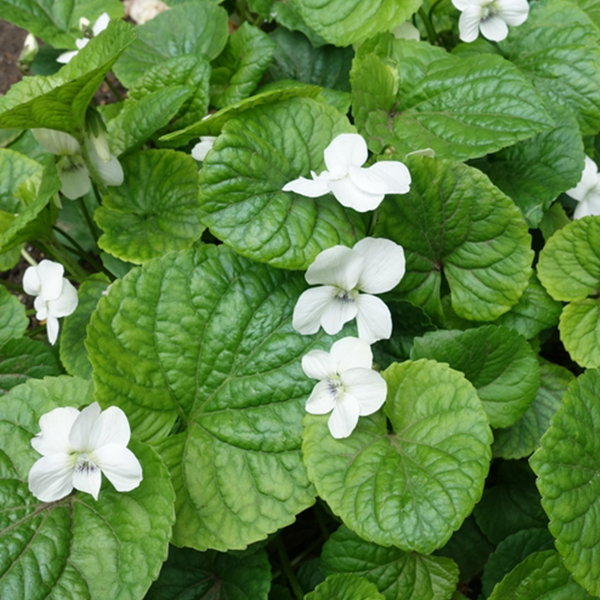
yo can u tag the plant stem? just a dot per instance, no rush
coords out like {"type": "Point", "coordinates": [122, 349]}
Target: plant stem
{"type": "Point", "coordinates": [433, 7]}
{"type": "Point", "coordinates": [85, 255]}
{"type": "Point", "coordinates": [11, 286]}
{"type": "Point", "coordinates": [28, 257]}
{"type": "Point", "coordinates": [35, 330]}
{"type": "Point", "coordinates": [30, 312]}
{"type": "Point", "coordinates": [431, 34]}
{"type": "Point", "coordinates": [287, 569]}
{"type": "Point", "coordinates": [88, 218]}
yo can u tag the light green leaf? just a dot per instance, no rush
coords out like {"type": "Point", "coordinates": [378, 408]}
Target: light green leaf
{"type": "Point", "coordinates": [540, 575]}
{"type": "Point", "coordinates": [262, 7]}
{"type": "Point", "coordinates": [198, 28]}
{"type": "Point", "coordinates": [580, 331]}
{"type": "Point", "coordinates": [398, 575]}
{"type": "Point", "coordinates": [191, 71]}
{"type": "Point", "coordinates": [456, 223]}
{"type": "Point", "coordinates": [345, 22]}
{"type": "Point", "coordinates": [204, 337]}
{"type": "Point", "coordinates": [155, 210]}
{"type": "Point", "coordinates": [73, 354]}
{"type": "Point", "coordinates": [286, 15]}
{"type": "Point", "coordinates": [10, 258]}
{"type": "Point", "coordinates": [241, 197]}
{"type": "Point", "coordinates": [510, 552]}
{"type": "Point", "coordinates": [412, 488]}
{"type": "Point", "coordinates": [497, 361]}
{"type": "Point", "coordinates": [15, 169]}
{"type": "Point", "coordinates": [22, 359]}
{"type": "Point", "coordinates": [554, 219]}
{"type": "Point", "coordinates": [60, 101]}
{"type": "Point", "coordinates": [567, 467]}
{"type": "Point", "coordinates": [557, 48]}
{"type": "Point", "coordinates": [592, 8]}
{"type": "Point", "coordinates": [213, 576]}
{"type": "Point", "coordinates": [13, 321]}
{"type": "Point", "coordinates": [524, 436]}
{"type": "Point", "coordinates": [238, 69]}
{"type": "Point", "coordinates": [109, 549]}
{"type": "Point", "coordinates": [345, 587]}
{"type": "Point", "coordinates": [138, 120]}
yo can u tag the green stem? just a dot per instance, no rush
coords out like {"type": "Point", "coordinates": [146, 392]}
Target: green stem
{"type": "Point", "coordinates": [85, 255]}
{"type": "Point", "coordinates": [88, 218]}
{"type": "Point", "coordinates": [35, 330]}
{"type": "Point", "coordinates": [286, 567]}
{"type": "Point", "coordinates": [433, 7]}
{"type": "Point", "coordinates": [320, 515]}
{"type": "Point", "coordinates": [431, 34]}
{"type": "Point", "coordinates": [28, 257]}
{"type": "Point", "coordinates": [13, 287]}
{"type": "Point", "coordinates": [30, 312]}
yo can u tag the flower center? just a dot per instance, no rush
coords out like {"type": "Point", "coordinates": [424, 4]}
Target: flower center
{"type": "Point", "coordinates": [335, 387]}
{"type": "Point", "coordinates": [85, 463]}
{"type": "Point", "coordinates": [347, 295]}
{"type": "Point", "coordinates": [487, 9]}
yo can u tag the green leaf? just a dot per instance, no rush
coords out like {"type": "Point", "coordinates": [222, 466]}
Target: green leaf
{"type": "Point", "coordinates": [241, 197]}
{"type": "Point", "coordinates": [524, 436]}
{"type": "Point", "coordinates": [22, 359]}
{"type": "Point", "coordinates": [10, 258]}
{"type": "Point", "coordinates": [198, 28]}
{"type": "Point", "coordinates": [497, 361]}
{"type": "Point", "coordinates": [510, 552]}
{"type": "Point", "coordinates": [155, 210]}
{"type": "Point", "coordinates": [398, 575]}
{"type": "Point", "coordinates": [213, 576]}
{"type": "Point", "coordinates": [567, 465]}
{"type": "Point", "coordinates": [456, 223]}
{"type": "Point", "coordinates": [345, 22]}
{"type": "Point", "coordinates": [345, 587]}
{"type": "Point", "coordinates": [310, 575]}
{"type": "Point", "coordinates": [15, 169]}
{"type": "Point", "coordinates": [412, 488]}
{"type": "Point", "coordinates": [540, 575]}
{"type": "Point", "coordinates": [534, 172]}
{"type": "Point", "coordinates": [592, 8]}
{"type": "Point", "coordinates": [557, 48]}
{"type": "Point", "coordinates": [286, 15]}
{"type": "Point", "coordinates": [60, 101]}
{"type": "Point", "coordinates": [76, 547]}
{"type": "Point", "coordinates": [580, 331]}
{"type": "Point", "coordinates": [554, 219]}
{"type": "Point", "coordinates": [204, 337]}
{"type": "Point", "coordinates": [13, 321]}
{"type": "Point", "coordinates": [239, 68]}
{"type": "Point", "coordinates": [53, 21]}
{"type": "Point", "coordinates": [511, 504]}
{"type": "Point", "coordinates": [191, 71]}
{"type": "Point", "coordinates": [262, 7]}
{"type": "Point", "coordinates": [73, 354]}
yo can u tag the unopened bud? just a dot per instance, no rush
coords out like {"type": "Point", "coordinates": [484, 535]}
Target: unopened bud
{"type": "Point", "coordinates": [29, 52]}
{"type": "Point", "coordinates": [85, 27]}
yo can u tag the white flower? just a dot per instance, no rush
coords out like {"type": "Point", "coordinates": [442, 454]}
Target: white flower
{"type": "Point", "coordinates": [492, 17]}
{"type": "Point", "coordinates": [347, 384]}
{"type": "Point", "coordinates": [144, 10]}
{"type": "Point", "coordinates": [374, 265]}
{"type": "Point", "coordinates": [200, 150]}
{"type": "Point", "coordinates": [73, 173]}
{"type": "Point", "coordinates": [353, 186]}
{"type": "Point", "coordinates": [55, 296]}
{"type": "Point", "coordinates": [587, 191]}
{"type": "Point", "coordinates": [99, 26]}
{"type": "Point", "coordinates": [77, 447]}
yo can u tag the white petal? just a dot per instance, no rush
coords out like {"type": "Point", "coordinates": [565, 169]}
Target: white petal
{"type": "Point", "coordinates": [41, 306]}
{"type": "Point", "coordinates": [463, 4]}
{"type": "Point", "coordinates": [66, 57]}
{"type": "Point", "coordinates": [345, 150]}
{"type": "Point", "coordinates": [66, 303]}
{"type": "Point", "coordinates": [85, 428]}
{"type": "Point", "coordinates": [339, 266]}
{"type": "Point", "coordinates": [51, 477]}
{"type": "Point", "coordinates": [337, 313]}
{"type": "Point", "coordinates": [374, 319]}
{"type": "Point", "coordinates": [81, 43]}
{"type": "Point", "coordinates": [321, 400]}
{"type": "Point", "coordinates": [110, 172]}
{"type": "Point", "coordinates": [52, 328]}
{"type": "Point", "coordinates": [200, 150]}
{"type": "Point", "coordinates": [384, 177]}
{"type": "Point", "coordinates": [75, 182]}
{"type": "Point", "coordinates": [513, 12]}
{"type": "Point", "coordinates": [385, 265]}
{"type": "Point", "coordinates": [494, 28]}
{"type": "Point", "coordinates": [112, 427]}
{"type": "Point", "coordinates": [588, 181]}
{"type": "Point", "coordinates": [348, 194]}
{"type": "Point", "coordinates": [318, 364]}
{"type": "Point", "coordinates": [55, 427]}
{"type": "Point", "coordinates": [31, 282]}
{"type": "Point", "coordinates": [368, 387]}
{"type": "Point", "coordinates": [310, 308]}
{"type": "Point", "coordinates": [423, 152]}
{"type": "Point", "coordinates": [88, 479]}
{"type": "Point", "coordinates": [56, 142]}
{"type": "Point", "coordinates": [468, 24]}
{"type": "Point", "coordinates": [351, 352]}
{"type": "Point", "coordinates": [344, 417]}
{"type": "Point", "coordinates": [590, 207]}
{"type": "Point", "coordinates": [120, 466]}
{"type": "Point", "coordinates": [311, 188]}
{"type": "Point", "coordinates": [101, 24]}
{"type": "Point", "coordinates": [50, 274]}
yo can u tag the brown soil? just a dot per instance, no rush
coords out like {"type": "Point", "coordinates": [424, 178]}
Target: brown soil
{"type": "Point", "coordinates": [11, 44]}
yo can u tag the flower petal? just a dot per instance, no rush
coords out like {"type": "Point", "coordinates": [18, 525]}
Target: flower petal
{"type": "Point", "coordinates": [494, 28]}
{"type": "Point", "coordinates": [50, 274]}
{"type": "Point", "coordinates": [368, 387]}
{"type": "Point", "coordinates": [55, 426]}
{"type": "Point", "coordinates": [200, 150]}
{"type": "Point", "coordinates": [101, 24]}
{"type": "Point", "coordinates": [310, 308]}
{"type": "Point", "coordinates": [311, 188]}
{"type": "Point", "coordinates": [75, 181]}
{"type": "Point", "coordinates": [385, 265]}
{"type": "Point", "coordinates": [110, 172]}
{"type": "Point", "coordinates": [339, 266]}
{"type": "Point", "coordinates": [112, 428]}
{"type": "Point", "coordinates": [318, 364]}
{"type": "Point", "coordinates": [513, 12]}
{"type": "Point", "coordinates": [384, 177]}
{"type": "Point", "coordinates": [374, 319]}
{"type": "Point", "coordinates": [56, 142]}
{"type": "Point", "coordinates": [120, 466]}
{"type": "Point", "coordinates": [41, 306]}
{"type": "Point", "coordinates": [337, 313]}
{"type": "Point", "coordinates": [588, 181]}
{"type": "Point", "coordinates": [350, 195]}
{"type": "Point", "coordinates": [66, 57]}
{"type": "Point", "coordinates": [321, 400]}
{"type": "Point", "coordinates": [31, 282]}
{"type": "Point", "coordinates": [344, 417]}
{"type": "Point", "coordinates": [462, 4]}
{"type": "Point", "coordinates": [66, 303]}
{"type": "Point", "coordinates": [51, 477]}
{"type": "Point", "coordinates": [468, 24]}
{"type": "Point", "coordinates": [590, 207]}
{"type": "Point", "coordinates": [88, 479]}
{"type": "Point", "coordinates": [85, 428]}
{"type": "Point", "coordinates": [345, 150]}
{"type": "Point", "coordinates": [351, 352]}
{"type": "Point", "coordinates": [52, 329]}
